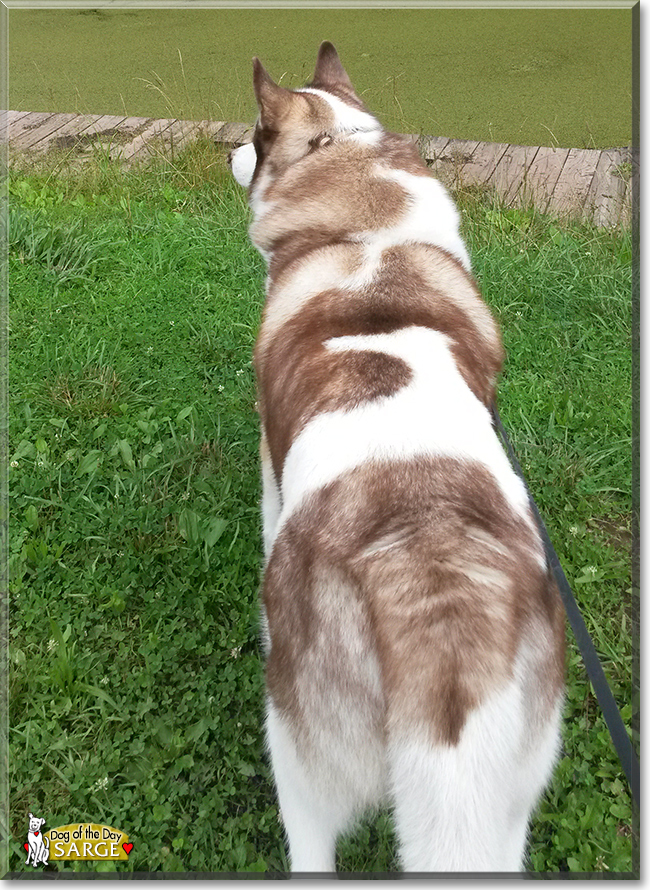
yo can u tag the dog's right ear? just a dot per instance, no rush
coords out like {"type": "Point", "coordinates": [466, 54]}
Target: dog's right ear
{"type": "Point", "coordinates": [273, 100]}
{"type": "Point", "coordinates": [329, 70]}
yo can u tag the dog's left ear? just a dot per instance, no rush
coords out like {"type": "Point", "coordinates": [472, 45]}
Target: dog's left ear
{"type": "Point", "coordinates": [274, 101]}
{"type": "Point", "coordinates": [329, 69]}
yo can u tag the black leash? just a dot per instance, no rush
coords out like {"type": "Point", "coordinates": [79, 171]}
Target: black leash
{"type": "Point", "coordinates": [611, 713]}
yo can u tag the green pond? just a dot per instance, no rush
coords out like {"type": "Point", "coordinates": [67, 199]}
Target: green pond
{"type": "Point", "coordinates": [529, 76]}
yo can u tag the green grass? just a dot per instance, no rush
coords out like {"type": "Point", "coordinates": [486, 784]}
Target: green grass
{"type": "Point", "coordinates": [524, 76]}
{"type": "Point", "coordinates": [136, 679]}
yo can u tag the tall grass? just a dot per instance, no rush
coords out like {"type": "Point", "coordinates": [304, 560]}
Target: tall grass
{"type": "Point", "coordinates": [136, 677]}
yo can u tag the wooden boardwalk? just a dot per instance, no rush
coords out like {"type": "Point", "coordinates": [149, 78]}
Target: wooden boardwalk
{"type": "Point", "coordinates": [578, 183]}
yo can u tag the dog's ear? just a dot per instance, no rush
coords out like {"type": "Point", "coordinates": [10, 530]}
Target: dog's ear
{"type": "Point", "coordinates": [329, 69]}
{"type": "Point", "coordinates": [273, 100]}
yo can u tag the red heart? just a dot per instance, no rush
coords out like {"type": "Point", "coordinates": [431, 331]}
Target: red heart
{"type": "Point", "coordinates": [26, 846]}
{"type": "Point", "coordinates": [128, 847]}
{"type": "Point", "coordinates": [36, 833]}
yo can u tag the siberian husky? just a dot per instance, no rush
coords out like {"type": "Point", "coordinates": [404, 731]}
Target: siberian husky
{"type": "Point", "coordinates": [414, 634]}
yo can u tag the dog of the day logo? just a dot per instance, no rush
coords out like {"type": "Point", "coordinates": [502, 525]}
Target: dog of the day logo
{"type": "Point", "coordinates": [79, 841]}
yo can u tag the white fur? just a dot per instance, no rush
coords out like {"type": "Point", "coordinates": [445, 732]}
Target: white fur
{"type": "Point", "coordinates": [312, 818]}
{"type": "Point", "coordinates": [466, 807]}
{"type": "Point", "coordinates": [436, 415]}
{"type": "Point", "coordinates": [462, 808]}
{"type": "Point", "coordinates": [338, 768]}
{"type": "Point", "coordinates": [242, 164]}
{"type": "Point", "coordinates": [271, 500]}
{"type": "Point", "coordinates": [322, 270]}
{"type": "Point", "coordinates": [348, 119]}
{"type": "Point", "coordinates": [366, 137]}
{"type": "Point", "coordinates": [432, 217]}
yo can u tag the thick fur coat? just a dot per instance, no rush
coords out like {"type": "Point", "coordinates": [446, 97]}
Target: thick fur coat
{"type": "Point", "coordinates": [414, 634]}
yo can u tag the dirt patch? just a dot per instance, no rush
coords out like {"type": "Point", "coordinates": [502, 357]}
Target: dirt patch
{"type": "Point", "coordinates": [82, 141]}
{"type": "Point", "coordinates": [615, 534]}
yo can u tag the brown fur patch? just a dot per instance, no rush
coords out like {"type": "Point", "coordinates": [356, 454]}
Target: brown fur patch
{"type": "Point", "coordinates": [301, 378]}
{"type": "Point", "coordinates": [334, 190]}
{"type": "Point", "coordinates": [298, 378]}
{"type": "Point", "coordinates": [401, 154]}
{"type": "Point", "coordinates": [418, 547]}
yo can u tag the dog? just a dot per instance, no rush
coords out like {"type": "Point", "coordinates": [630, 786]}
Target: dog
{"type": "Point", "coordinates": [414, 635]}
{"type": "Point", "coordinates": [38, 846]}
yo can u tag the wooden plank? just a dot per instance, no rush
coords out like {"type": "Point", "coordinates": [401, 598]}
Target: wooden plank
{"type": "Point", "coordinates": [573, 184]}
{"type": "Point", "coordinates": [32, 127]}
{"type": "Point", "coordinates": [431, 146]}
{"type": "Point", "coordinates": [630, 208]}
{"type": "Point", "coordinates": [18, 119]}
{"type": "Point", "coordinates": [29, 138]}
{"type": "Point", "coordinates": [139, 147]}
{"type": "Point", "coordinates": [133, 126]}
{"type": "Point", "coordinates": [25, 123]}
{"type": "Point", "coordinates": [559, 180]}
{"type": "Point", "coordinates": [232, 134]}
{"type": "Point", "coordinates": [104, 130]}
{"type": "Point", "coordinates": [181, 134]}
{"type": "Point", "coordinates": [175, 137]}
{"type": "Point", "coordinates": [7, 117]}
{"type": "Point", "coordinates": [514, 196]}
{"type": "Point", "coordinates": [482, 163]}
{"type": "Point", "coordinates": [211, 129]}
{"type": "Point", "coordinates": [68, 131]}
{"type": "Point", "coordinates": [82, 140]}
{"type": "Point", "coordinates": [126, 133]}
{"type": "Point", "coordinates": [452, 159]}
{"type": "Point", "coordinates": [153, 143]}
{"type": "Point", "coordinates": [541, 177]}
{"type": "Point", "coordinates": [508, 174]}
{"type": "Point", "coordinates": [607, 191]}
{"type": "Point", "coordinates": [625, 218]}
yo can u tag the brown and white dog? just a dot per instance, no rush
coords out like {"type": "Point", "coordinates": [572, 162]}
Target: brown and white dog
{"type": "Point", "coordinates": [414, 634]}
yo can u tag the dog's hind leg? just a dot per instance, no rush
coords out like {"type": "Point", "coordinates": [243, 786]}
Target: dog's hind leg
{"type": "Point", "coordinates": [465, 807]}
{"type": "Point", "coordinates": [313, 819]}
{"type": "Point", "coordinates": [326, 711]}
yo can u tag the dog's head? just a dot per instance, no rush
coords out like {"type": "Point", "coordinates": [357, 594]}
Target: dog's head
{"type": "Point", "coordinates": [295, 123]}
{"type": "Point", "coordinates": [35, 823]}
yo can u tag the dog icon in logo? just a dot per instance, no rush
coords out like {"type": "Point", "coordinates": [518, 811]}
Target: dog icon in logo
{"type": "Point", "coordinates": [38, 847]}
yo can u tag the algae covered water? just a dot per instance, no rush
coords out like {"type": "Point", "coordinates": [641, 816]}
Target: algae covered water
{"type": "Point", "coordinates": [534, 76]}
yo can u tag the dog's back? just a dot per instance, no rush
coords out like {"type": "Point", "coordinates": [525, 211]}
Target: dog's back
{"type": "Point", "coordinates": [415, 637]}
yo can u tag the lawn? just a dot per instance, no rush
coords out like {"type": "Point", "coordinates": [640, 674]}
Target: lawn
{"type": "Point", "coordinates": [135, 670]}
